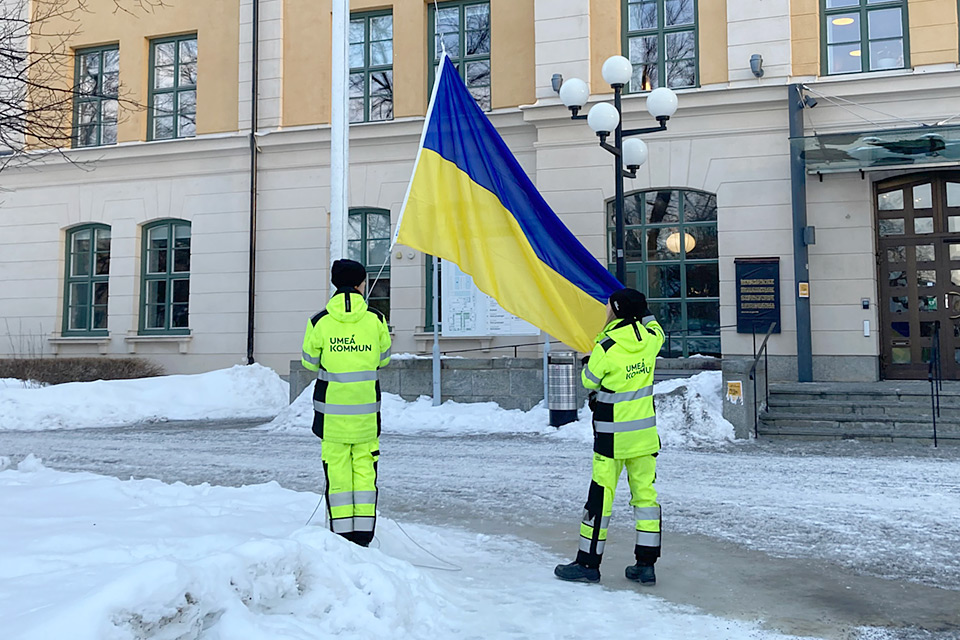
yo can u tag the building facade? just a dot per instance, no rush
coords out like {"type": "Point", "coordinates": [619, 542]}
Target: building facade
{"type": "Point", "coordinates": [137, 239]}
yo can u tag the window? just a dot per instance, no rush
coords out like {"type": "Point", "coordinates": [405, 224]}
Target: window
{"type": "Point", "coordinates": [670, 241]}
{"type": "Point", "coordinates": [95, 100]}
{"type": "Point", "coordinates": [464, 29]}
{"type": "Point", "coordinates": [368, 243]}
{"type": "Point", "coordinates": [371, 67]}
{"type": "Point", "coordinates": [172, 110]}
{"type": "Point", "coordinates": [661, 41]}
{"type": "Point", "coordinates": [165, 290]}
{"type": "Point", "coordinates": [864, 35]}
{"type": "Point", "coordinates": [86, 283]}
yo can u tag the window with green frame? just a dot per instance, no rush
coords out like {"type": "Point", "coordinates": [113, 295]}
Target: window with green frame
{"type": "Point", "coordinates": [864, 35]}
{"type": "Point", "coordinates": [660, 39]}
{"type": "Point", "coordinates": [670, 242]}
{"type": "Point", "coordinates": [95, 96]}
{"type": "Point", "coordinates": [464, 29]}
{"type": "Point", "coordinates": [172, 106]}
{"type": "Point", "coordinates": [86, 283]}
{"type": "Point", "coordinates": [165, 279]}
{"type": "Point", "coordinates": [368, 242]}
{"type": "Point", "coordinates": [371, 66]}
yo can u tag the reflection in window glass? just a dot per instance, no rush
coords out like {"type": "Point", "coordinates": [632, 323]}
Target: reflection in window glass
{"type": "Point", "coordinates": [891, 227]}
{"type": "Point", "coordinates": [166, 277]}
{"type": "Point", "coordinates": [890, 201]}
{"type": "Point", "coordinates": [899, 304]}
{"type": "Point", "coordinates": [369, 244]}
{"type": "Point", "coordinates": [900, 355]}
{"type": "Point", "coordinates": [923, 196]}
{"type": "Point", "coordinates": [464, 29]}
{"type": "Point", "coordinates": [926, 278]}
{"type": "Point", "coordinates": [863, 35]}
{"type": "Point", "coordinates": [953, 194]}
{"type": "Point", "coordinates": [897, 254]}
{"type": "Point", "coordinates": [673, 248]}
{"type": "Point", "coordinates": [923, 225]}
{"type": "Point", "coordinates": [371, 67]}
{"type": "Point", "coordinates": [928, 303]}
{"type": "Point", "coordinates": [87, 279]}
{"type": "Point", "coordinates": [926, 253]}
{"type": "Point", "coordinates": [661, 43]}
{"type": "Point", "coordinates": [898, 278]}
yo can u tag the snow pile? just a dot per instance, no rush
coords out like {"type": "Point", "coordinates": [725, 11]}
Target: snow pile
{"type": "Point", "coordinates": [88, 557]}
{"type": "Point", "coordinates": [14, 383]}
{"type": "Point", "coordinates": [689, 413]}
{"type": "Point", "coordinates": [240, 392]}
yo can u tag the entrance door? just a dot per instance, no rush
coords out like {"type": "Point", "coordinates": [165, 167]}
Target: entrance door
{"type": "Point", "coordinates": [918, 225]}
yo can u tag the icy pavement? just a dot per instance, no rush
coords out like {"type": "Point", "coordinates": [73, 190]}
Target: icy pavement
{"type": "Point", "coordinates": [802, 536]}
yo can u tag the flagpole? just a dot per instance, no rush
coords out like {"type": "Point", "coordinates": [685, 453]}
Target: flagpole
{"type": "Point", "coordinates": [339, 132]}
{"type": "Point", "coordinates": [436, 331]}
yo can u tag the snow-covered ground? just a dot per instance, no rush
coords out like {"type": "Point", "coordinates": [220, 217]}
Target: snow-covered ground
{"type": "Point", "coordinates": [878, 522]}
{"type": "Point", "coordinates": [689, 413]}
{"type": "Point", "coordinates": [240, 392]}
{"type": "Point", "coordinates": [89, 557]}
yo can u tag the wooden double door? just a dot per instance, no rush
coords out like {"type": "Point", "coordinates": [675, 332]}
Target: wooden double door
{"type": "Point", "coordinates": [918, 233]}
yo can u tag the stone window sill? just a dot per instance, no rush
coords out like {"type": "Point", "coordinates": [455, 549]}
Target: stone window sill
{"type": "Point", "coordinates": [102, 342]}
{"type": "Point", "coordinates": [182, 342]}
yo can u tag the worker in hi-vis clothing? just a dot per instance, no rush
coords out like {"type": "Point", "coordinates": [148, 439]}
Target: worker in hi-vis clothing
{"type": "Point", "coordinates": [620, 370]}
{"type": "Point", "coordinates": [346, 344]}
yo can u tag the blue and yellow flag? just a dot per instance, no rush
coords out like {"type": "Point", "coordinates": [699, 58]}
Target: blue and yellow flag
{"type": "Point", "coordinates": [471, 203]}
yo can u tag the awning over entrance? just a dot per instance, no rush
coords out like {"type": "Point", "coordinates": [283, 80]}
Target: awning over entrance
{"type": "Point", "coordinates": [876, 150]}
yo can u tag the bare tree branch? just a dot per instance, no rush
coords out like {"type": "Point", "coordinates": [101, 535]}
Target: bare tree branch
{"type": "Point", "coordinates": [40, 98]}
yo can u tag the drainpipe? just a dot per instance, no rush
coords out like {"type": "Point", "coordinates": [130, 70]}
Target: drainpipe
{"type": "Point", "coordinates": [801, 267]}
{"type": "Point", "coordinates": [254, 104]}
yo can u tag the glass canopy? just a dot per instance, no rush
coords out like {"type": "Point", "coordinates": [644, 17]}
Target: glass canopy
{"type": "Point", "coordinates": [892, 148]}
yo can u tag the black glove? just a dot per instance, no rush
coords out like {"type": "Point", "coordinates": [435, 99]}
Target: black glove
{"type": "Point", "coordinates": [584, 360]}
{"type": "Point", "coordinates": [592, 400]}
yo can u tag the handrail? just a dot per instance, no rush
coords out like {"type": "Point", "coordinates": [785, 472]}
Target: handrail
{"type": "Point", "coordinates": [935, 376]}
{"type": "Point", "coordinates": [766, 378]}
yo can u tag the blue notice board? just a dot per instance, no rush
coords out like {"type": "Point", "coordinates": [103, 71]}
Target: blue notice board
{"type": "Point", "coordinates": [758, 294]}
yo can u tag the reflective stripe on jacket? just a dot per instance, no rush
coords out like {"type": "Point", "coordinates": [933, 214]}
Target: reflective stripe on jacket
{"type": "Point", "coordinates": [621, 369]}
{"type": "Point", "coordinates": [346, 344]}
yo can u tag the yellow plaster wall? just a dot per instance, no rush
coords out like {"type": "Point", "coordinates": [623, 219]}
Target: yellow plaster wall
{"type": "Point", "coordinates": [307, 72]}
{"type": "Point", "coordinates": [712, 22]}
{"type": "Point", "coordinates": [605, 40]}
{"type": "Point", "coordinates": [216, 23]}
{"type": "Point", "coordinates": [805, 37]}
{"type": "Point", "coordinates": [933, 32]}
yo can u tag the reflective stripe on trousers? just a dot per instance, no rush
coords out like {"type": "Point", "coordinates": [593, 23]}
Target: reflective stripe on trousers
{"type": "Point", "coordinates": [345, 409]}
{"type": "Point", "coordinates": [352, 376]}
{"type": "Point", "coordinates": [585, 545]}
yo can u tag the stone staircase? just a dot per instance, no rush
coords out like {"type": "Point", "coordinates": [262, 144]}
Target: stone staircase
{"type": "Point", "coordinates": [888, 410]}
{"type": "Point", "coordinates": [669, 368]}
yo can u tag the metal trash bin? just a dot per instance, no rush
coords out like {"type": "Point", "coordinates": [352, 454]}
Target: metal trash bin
{"type": "Point", "coordinates": [562, 383]}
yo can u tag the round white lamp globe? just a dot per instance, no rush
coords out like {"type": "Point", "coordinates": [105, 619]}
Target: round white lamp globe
{"type": "Point", "coordinates": [662, 103]}
{"type": "Point", "coordinates": [634, 153]}
{"type": "Point", "coordinates": [574, 92]}
{"type": "Point", "coordinates": [603, 118]}
{"type": "Point", "coordinates": [617, 70]}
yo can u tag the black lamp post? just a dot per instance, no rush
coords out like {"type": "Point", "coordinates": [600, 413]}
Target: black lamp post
{"type": "Point", "coordinates": [605, 119]}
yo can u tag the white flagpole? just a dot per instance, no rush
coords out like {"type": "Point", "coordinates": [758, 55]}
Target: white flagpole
{"type": "Point", "coordinates": [339, 132]}
{"type": "Point", "coordinates": [436, 331]}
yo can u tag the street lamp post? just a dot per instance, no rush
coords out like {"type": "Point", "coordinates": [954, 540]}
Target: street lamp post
{"type": "Point", "coordinates": [605, 119]}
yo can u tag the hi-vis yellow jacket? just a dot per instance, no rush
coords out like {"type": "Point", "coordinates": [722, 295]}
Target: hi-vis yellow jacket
{"type": "Point", "coordinates": [346, 344]}
{"type": "Point", "coordinates": [621, 368]}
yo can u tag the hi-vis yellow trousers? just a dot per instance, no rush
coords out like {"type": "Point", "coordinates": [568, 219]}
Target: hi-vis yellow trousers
{"type": "Point", "coordinates": [641, 473]}
{"type": "Point", "coordinates": [351, 495]}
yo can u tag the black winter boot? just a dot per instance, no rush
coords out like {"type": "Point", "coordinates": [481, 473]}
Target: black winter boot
{"type": "Point", "coordinates": [576, 572]}
{"type": "Point", "coordinates": [642, 573]}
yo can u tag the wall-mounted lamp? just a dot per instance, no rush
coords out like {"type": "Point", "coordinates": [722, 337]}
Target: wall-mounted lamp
{"type": "Point", "coordinates": [556, 82]}
{"type": "Point", "coordinates": [756, 65]}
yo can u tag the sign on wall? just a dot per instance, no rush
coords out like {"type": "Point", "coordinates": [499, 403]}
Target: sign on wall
{"type": "Point", "coordinates": [758, 294]}
{"type": "Point", "coordinates": [467, 311]}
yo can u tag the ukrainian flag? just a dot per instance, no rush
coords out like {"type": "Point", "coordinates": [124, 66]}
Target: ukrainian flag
{"type": "Point", "coordinates": [471, 203]}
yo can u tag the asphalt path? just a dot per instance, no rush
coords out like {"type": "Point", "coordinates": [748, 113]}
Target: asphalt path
{"type": "Point", "coordinates": [534, 488]}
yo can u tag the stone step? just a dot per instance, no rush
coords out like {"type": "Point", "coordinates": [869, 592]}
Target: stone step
{"type": "Point", "coordinates": [948, 400]}
{"type": "Point", "coordinates": [832, 431]}
{"type": "Point", "coordinates": [885, 407]}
